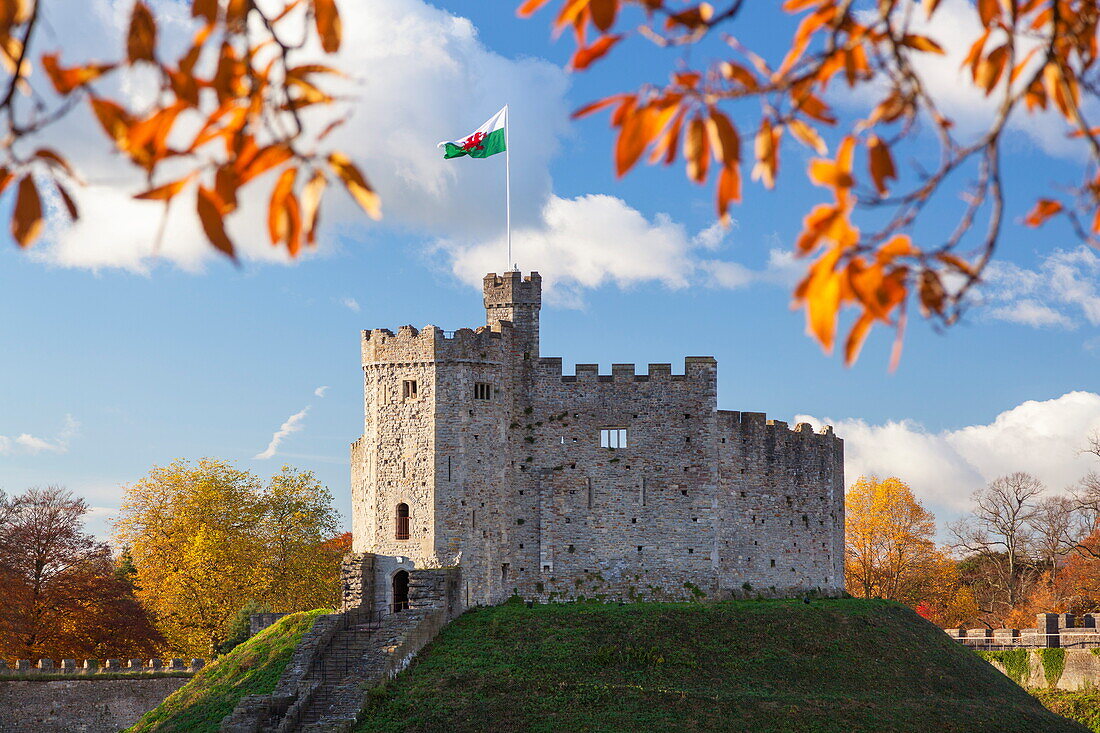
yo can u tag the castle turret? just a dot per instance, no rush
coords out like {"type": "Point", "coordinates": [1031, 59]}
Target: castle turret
{"type": "Point", "coordinates": [512, 297]}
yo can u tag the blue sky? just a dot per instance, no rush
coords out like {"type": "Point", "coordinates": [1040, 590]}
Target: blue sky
{"type": "Point", "coordinates": [114, 360]}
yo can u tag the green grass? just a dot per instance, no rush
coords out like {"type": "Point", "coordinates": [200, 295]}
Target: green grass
{"type": "Point", "coordinates": [1080, 705]}
{"type": "Point", "coordinates": [253, 668]}
{"type": "Point", "coordinates": [761, 666]}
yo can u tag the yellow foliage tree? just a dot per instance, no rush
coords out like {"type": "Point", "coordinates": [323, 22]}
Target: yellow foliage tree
{"type": "Point", "coordinates": [207, 538]}
{"type": "Point", "coordinates": [889, 550]}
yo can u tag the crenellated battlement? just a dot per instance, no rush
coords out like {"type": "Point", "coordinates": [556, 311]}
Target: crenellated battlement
{"type": "Point", "coordinates": [511, 289]}
{"type": "Point", "coordinates": [432, 343]}
{"type": "Point", "coordinates": [696, 368]}
{"type": "Point", "coordinates": [755, 426]}
{"type": "Point", "coordinates": [99, 666]}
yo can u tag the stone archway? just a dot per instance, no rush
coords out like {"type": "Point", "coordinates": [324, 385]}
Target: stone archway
{"type": "Point", "coordinates": [400, 591]}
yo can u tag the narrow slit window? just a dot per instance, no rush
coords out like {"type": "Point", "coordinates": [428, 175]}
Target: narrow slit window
{"type": "Point", "coordinates": [408, 389]}
{"type": "Point", "coordinates": [613, 437]}
{"type": "Point", "coordinates": [402, 532]}
{"type": "Point", "coordinates": [483, 391]}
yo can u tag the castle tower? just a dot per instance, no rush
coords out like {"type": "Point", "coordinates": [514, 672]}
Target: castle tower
{"type": "Point", "coordinates": [512, 297]}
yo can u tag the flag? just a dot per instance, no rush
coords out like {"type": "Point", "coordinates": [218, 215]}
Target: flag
{"type": "Point", "coordinates": [481, 143]}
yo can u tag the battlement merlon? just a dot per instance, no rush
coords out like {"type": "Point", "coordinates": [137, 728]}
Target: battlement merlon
{"type": "Point", "coordinates": [696, 369]}
{"type": "Point", "coordinates": [512, 297]}
{"type": "Point", "coordinates": [433, 344]}
{"type": "Point", "coordinates": [730, 421]}
{"type": "Point", "coordinates": [512, 288]}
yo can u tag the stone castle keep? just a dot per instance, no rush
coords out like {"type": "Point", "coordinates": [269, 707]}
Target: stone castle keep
{"type": "Point", "coordinates": [479, 455]}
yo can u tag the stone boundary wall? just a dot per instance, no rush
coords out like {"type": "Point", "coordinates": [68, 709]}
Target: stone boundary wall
{"type": "Point", "coordinates": [1052, 630]}
{"type": "Point", "coordinates": [98, 666]}
{"type": "Point", "coordinates": [83, 705]}
{"type": "Point", "coordinates": [1078, 669]}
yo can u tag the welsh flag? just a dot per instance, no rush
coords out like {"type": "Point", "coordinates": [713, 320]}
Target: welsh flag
{"type": "Point", "coordinates": [489, 139]}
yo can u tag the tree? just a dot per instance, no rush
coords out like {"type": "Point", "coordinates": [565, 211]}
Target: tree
{"type": "Point", "coordinates": [889, 547]}
{"type": "Point", "coordinates": [62, 597]}
{"type": "Point", "coordinates": [208, 537]}
{"type": "Point", "coordinates": [226, 112]}
{"type": "Point", "coordinates": [305, 562]}
{"type": "Point", "coordinates": [1029, 56]}
{"type": "Point", "coordinates": [999, 536]}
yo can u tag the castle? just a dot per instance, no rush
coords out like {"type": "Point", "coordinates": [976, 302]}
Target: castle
{"type": "Point", "coordinates": [478, 454]}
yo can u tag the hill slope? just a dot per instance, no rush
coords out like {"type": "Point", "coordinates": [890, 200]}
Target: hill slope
{"type": "Point", "coordinates": [252, 668]}
{"type": "Point", "coordinates": [832, 665]}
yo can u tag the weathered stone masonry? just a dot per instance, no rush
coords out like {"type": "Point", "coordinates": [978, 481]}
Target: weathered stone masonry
{"type": "Point", "coordinates": [497, 456]}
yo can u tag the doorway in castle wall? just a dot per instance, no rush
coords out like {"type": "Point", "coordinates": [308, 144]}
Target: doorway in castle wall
{"type": "Point", "coordinates": [400, 591]}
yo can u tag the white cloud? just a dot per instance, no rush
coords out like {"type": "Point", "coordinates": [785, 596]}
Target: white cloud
{"type": "Point", "coordinates": [1040, 437]}
{"type": "Point", "coordinates": [320, 391]}
{"type": "Point", "coordinates": [1060, 292]}
{"type": "Point", "coordinates": [593, 240]}
{"type": "Point", "coordinates": [425, 76]}
{"type": "Point", "coordinates": [32, 444]}
{"type": "Point", "coordinates": [350, 303]}
{"type": "Point", "coordinates": [293, 424]}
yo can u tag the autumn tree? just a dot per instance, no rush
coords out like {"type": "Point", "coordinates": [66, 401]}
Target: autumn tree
{"type": "Point", "coordinates": [224, 115]}
{"type": "Point", "coordinates": [62, 595]}
{"type": "Point", "coordinates": [304, 558]}
{"type": "Point", "coordinates": [999, 539]}
{"type": "Point", "coordinates": [207, 538]}
{"type": "Point", "coordinates": [732, 102]}
{"type": "Point", "coordinates": [890, 550]}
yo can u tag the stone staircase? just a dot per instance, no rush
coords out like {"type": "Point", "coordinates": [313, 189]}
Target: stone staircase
{"type": "Point", "coordinates": [338, 680]}
{"type": "Point", "coordinates": [324, 685]}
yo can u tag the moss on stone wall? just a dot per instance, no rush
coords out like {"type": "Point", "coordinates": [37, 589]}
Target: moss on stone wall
{"type": "Point", "coordinates": [1054, 663]}
{"type": "Point", "coordinates": [1016, 663]}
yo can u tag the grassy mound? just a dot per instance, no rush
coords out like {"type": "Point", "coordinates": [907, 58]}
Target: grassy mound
{"type": "Point", "coordinates": [1080, 705]}
{"type": "Point", "coordinates": [252, 668]}
{"type": "Point", "coordinates": [831, 665]}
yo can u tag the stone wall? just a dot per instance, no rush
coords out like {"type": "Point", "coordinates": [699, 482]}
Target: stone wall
{"type": "Point", "coordinates": [80, 706]}
{"type": "Point", "coordinates": [1052, 630]}
{"type": "Point", "coordinates": [518, 492]}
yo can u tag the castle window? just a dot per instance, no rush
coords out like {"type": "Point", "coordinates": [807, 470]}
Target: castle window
{"type": "Point", "coordinates": [613, 437]}
{"type": "Point", "coordinates": [408, 389]}
{"type": "Point", "coordinates": [402, 532]}
{"type": "Point", "coordinates": [482, 391]}
{"type": "Point", "coordinates": [773, 563]}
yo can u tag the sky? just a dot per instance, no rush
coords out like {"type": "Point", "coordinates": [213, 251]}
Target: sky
{"type": "Point", "coordinates": [117, 355]}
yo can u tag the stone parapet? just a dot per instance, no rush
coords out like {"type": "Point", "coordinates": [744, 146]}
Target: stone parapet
{"type": "Point", "coordinates": [91, 667]}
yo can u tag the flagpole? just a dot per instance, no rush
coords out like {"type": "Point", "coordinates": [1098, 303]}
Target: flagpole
{"type": "Point", "coordinates": [508, 185]}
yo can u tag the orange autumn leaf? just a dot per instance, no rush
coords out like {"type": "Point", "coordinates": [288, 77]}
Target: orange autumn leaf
{"type": "Point", "coordinates": [635, 133]}
{"type": "Point", "coordinates": [1043, 210]}
{"type": "Point", "coordinates": [585, 55]}
{"type": "Point", "coordinates": [881, 164]}
{"type": "Point", "coordinates": [835, 174]}
{"type": "Point", "coordinates": [767, 153]}
{"type": "Point", "coordinates": [66, 80]}
{"type": "Point", "coordinates": [209, 208]}
{"type": "Point", "coordinates": [329, 27]}
{"type": "Point", "coordinates": [696, 151]}
{"type": "Point", "coordinates": [729, 191]}
{"type": "Point", "coordinates": [311, 205]}
{"type": "Point", "coordinates": [165, 192]}
{"type": "Point", "coordinates": [724, 140]}
{"type": "Point", "coordinates": [114, 119]}
{"type": "Point", "coordinates": [278, 223]}
{"type": "Point", "coordinates": [141, 41]}
{"type": "Point", "coordinates": [856, 337]}
{"type": "Point", "coordinates": [356, 184]}
{"type": "Point", "coordinates": [26, 219]}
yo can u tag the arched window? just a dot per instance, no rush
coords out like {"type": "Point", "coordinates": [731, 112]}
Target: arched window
{"type": "Point", "coordinates": [402, 522]}
{"type": "Point", "coordinates": [400, 591]}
